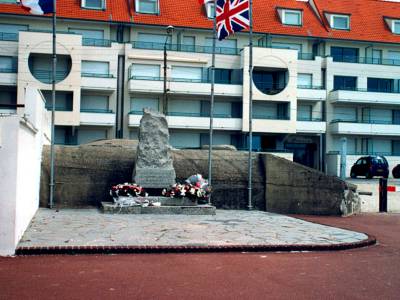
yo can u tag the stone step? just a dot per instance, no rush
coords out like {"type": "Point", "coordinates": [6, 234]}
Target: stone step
{"type": "Point", "coordinates": [111, 208]}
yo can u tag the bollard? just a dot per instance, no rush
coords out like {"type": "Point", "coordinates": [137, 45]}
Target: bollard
{"type": "Point", "coordinates": [383, 194]}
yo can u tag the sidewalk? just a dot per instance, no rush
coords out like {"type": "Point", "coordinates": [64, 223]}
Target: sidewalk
{"type": "Point", "coordinates": [90, 231]}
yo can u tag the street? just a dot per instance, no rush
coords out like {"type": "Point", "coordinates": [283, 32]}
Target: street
{"type": "Point", "coordinates": [366, 273]}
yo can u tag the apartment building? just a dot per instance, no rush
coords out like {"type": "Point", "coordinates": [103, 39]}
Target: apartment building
{"type": "Point", "coordinates": [323, 70]}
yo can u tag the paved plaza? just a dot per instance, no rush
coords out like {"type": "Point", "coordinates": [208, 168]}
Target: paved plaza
{"type": "Point", "coordinates": [89, 227]}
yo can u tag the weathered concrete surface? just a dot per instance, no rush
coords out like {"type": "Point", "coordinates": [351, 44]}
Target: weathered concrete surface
{"type": "Point", "coordinates": [154, 167]}
{"type": "Point", "coordinates": [111, 208]}
{"type": "Point", "coordinates": [295, 189]}
{"type": "Point", "coordinates": [85, 173]}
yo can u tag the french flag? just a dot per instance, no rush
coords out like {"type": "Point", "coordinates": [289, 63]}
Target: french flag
{"type": "Point", "coordinates": [38, 7]}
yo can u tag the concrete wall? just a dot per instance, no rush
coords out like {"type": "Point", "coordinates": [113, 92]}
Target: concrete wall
{"type": "Point", "coordinates": [292, 188]}
{"type": "Point", "coordinates": [21, 140]}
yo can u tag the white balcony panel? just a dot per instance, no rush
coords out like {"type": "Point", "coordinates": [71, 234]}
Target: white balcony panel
{"type": "Point", "coordinates": [97, 119]}
{"type": "Point", "coordinates": [193, 88]}
{"type": "Point", "coordinates": [134, 120]}
{"type": "Point", "coordinates": [232, 90]}
{"type": "Point", "coordinates": [364, 97]}
{"type": "Point", "coordinates": [8, 78]}
{"type": "Point", "coordinates": [311, 94]}
{"type": "Point", "coordinates": [274, 126]}
{"type": "Point", "coordinates": [365, 129]}
{"type": "Point", "coordinates": [99, 84]}
{"type": "Point", "coordinates": [310, 127]}
{"type": "Point", "coordinates": [146, 86]}
{"type": "Point", "coordinates": [204, 123]}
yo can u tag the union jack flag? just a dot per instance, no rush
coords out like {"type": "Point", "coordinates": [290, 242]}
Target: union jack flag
{"type": "Point", "coordinates": [232, 16]}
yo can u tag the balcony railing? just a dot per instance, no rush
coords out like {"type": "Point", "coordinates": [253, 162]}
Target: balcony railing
{"type": "Point", "coordinates": [46, 76]}
{"type": "Point", "coordinates": [97, 110]}
{"type": "Point", "coordinates": [367, 60]}
{"type": "Point", "coordinates": [378, 122]}
{"type": "Point", "coordinates": [58, 108]}
{"type": "Point", "coordinates": [309, 119]}
{"type": "Point", "coordinates": [5, 36]}
{"type": "Point", "coordinates": [188, 114]}
{"type": "Point", "coordinates": [8, 70]}
{"type": "Point", "coordinates": [174, 79]}
{"type": "Point", "coordinates": [367, 90]}
{"type": "Point", "coordinates": [310, 87]}
{"type": "Point", "coordinates": [266, 117]}
{"type": "Point", "coordinates": [184, 48]}
{"type": "Point", "coordinates": [96, 42]}
{"type": "Point", "coordinates": [96, 75]}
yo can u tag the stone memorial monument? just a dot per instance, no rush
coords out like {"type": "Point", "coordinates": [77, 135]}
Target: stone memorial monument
{"type": "Point", "coordinates": [154, 168]}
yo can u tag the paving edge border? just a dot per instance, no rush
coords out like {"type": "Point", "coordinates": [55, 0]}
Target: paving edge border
{"type": "Point", "coordinates": [73, 250]}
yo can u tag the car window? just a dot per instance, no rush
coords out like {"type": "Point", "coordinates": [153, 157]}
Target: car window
{"type": "Point", "coordinates": [359, 162]}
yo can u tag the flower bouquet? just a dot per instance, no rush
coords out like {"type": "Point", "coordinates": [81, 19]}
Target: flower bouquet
{"type": "Point", "coordinates": [195, 188]}
{"type": "Point", "coordinates": [128, 194]}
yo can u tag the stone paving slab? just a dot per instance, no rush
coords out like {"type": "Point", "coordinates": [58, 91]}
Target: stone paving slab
{"type": "Point", "coordinates": [90, 228]}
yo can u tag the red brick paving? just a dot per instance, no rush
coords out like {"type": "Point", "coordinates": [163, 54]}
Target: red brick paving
{"type": "Point", "coordinates": [367, 273]}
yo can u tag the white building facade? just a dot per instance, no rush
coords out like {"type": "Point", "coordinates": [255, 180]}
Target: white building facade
{"type": "Point", "coordinates": [309, 91]}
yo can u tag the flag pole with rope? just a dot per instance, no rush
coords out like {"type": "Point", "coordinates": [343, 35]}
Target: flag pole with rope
{"type": "Point", "coordinates": [53, 100]}
{"type": "Point", "coordinates": [210, 147]}
{"type": "Point", "coordinates": [250, 159]}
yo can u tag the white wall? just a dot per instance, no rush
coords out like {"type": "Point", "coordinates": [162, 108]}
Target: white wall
{"type": "Point", "coordinates": [21, 140]}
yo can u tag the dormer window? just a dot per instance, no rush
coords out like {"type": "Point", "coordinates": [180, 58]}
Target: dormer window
{"type": "Point", "coordinates": [210, 9]}
{"type": "Point", "coordinates": [147, 6]}
{"type": "Point", "coordinates": [396, 26]}
{"type": "Point", "coordinates": [291, 17]}
{"type": "Point", "coordinates": [341, 22]}
{"type": "Point", "coordinates": [94, 4]}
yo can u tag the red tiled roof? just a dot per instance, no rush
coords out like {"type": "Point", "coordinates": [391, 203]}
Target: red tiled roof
{"type": "Point", "coordinates": [367, 16]}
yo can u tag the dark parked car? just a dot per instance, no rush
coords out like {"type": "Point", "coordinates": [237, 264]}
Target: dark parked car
{"type": "Point", "coordinates": [370, 166]}
{"type": "Point", "coordinates": [396, 171]}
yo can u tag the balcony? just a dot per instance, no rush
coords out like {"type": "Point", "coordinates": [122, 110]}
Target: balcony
{"type": "Point", "coordinates": [310, 125]}
{"type": "Point", "coordinates": [366, 60]}
{"type": "Point", "coordinates": [364, 96]}
{"type": "Point", "coordinates": [382, 128]}
{"type": "Point", "coordinates": [8, 76]}
{"type": "Point", "coordinates": [97, 117]}
{"type": "Point", "coordinates": [5, 36]}
{"type": "Point", "coordinates": [182, 86]}
{"type": "Point", "coordinates": [96, 42]}
{"type": "Point", "coordinates": [192, 121]}
{"type": "Point", "coordinates": [98, 82]}
{"type": "Point", "coordinates": [185, 48]}
{"type": "Point", "coordinates": [313, 93]}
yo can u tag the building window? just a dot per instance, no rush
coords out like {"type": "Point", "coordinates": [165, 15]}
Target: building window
{"type": "Point", "coordinates": [341, 22]}
{"type": "Point", "coordinates": [87, 135]}
{"type": "Point", "coordinates": [145, 72]}
{"type": "Point", "coordinates": [304, 112]}
{"type": "Point", "coordinates": [95, 69]}
{"type": "Point", "coordinates": [138, 104]}
{"type": "Point", "coordinates": [227, 46]}
{"type": "Point", "coordinates": [94, 4]}
{"type": "Point", "coordinates": [188, 43]}
{"type": "Point", "coordinates": [147, 6]}
{"type": "Point", "coordinates": [64, 100]}
{"type": "Point", "coordinates": [191, 74]}
{"type": "Point", "coordinates": [8, 101]}
{"type": "Point", "coordinates": [343, 54]}
{"type": "Point", "coordinates": [94, 103]}
{"type": "Point", "coordinates": [8, 64]}
{"type": "Point", "coordinates": [210, 10]}
{"type": "Point", "coordinates": [292, 17]}
{"type": "Point", "coordinates": [347, 83]}
{"type": "Point", "coordinates": [396, 27]}
{"type": "Point", "coordinates": [304, 80]}
{"type": "Point", "coordinates": [380, 85]}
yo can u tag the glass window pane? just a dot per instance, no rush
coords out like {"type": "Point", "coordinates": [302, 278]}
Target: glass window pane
{"type": "Point", "coordinates": [297, 47]}
{"type": "Point", "coordinates": [146, 71]}
{"type": "Point", "coordinates": [88, 33]}
{"type": "Point", "coordinates": [94, 4]}
{"type": "Point", "coordinates": [187, 73]}
{"type": "Point", "coordinates": [95, 67]}
{"type": "Point", "coordinates": [138, 104]}
{"type": "Point", "coordinates": [292, 18]}
{"type": "Point", "coordinates": [147, 6]}
{"type": "Point", "coordinates": [304, 80]}
{"type": "Point", "coordinates": [396, 27]}
{"type": "Point", "coordinates": [185, 107]}
{"type": "Point", "coordinates": [304, 112]}
{"type": "Point", "coordinates": [341, 22]}
{"type": "Point", "coordinates": [10, 28]}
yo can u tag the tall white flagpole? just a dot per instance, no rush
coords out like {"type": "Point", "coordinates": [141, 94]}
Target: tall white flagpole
{"type": "Point", "coordinates": [250, 160]}
{"type": "Point", "coordinates": [53, 107]}
{"type": "Point", "coordinates": [210, 148]}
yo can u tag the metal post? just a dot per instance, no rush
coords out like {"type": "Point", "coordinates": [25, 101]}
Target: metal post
{"type": "Point", "coordinates": [250, 163]}
{"type": "Point", "coordinates": [165, 105]}
{"type": "Point", "coordinates": [383, 182]}
{"type": "Point", "coordinates": [343, 154]}
{"type": "Point", "coordinates": [53, 101]}
{"type": "Point", "coordinates": [210, 147]}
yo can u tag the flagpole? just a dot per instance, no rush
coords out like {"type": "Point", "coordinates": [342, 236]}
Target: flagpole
{"type": "Point", "coordinates": [53, 81]}
{"type": "Point", "coordinates": [250, 163]}
{"type": "Point", "coordinates": [210, 147]}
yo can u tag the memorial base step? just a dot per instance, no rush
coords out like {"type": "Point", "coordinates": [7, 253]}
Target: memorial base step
{"type": "Point", "coordinates": [112, 208]}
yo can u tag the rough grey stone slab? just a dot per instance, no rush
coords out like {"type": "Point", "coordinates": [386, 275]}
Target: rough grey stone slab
{"type": "Point", "coordinates": [155, 178]}
{"type": "Point", "coordinates": [111, 208]}
{"type": "Point", "coordinates": [154, 166]}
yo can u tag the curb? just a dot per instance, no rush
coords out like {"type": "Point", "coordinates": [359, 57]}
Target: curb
{"type": "Point", "coordinates": [73, 250]}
